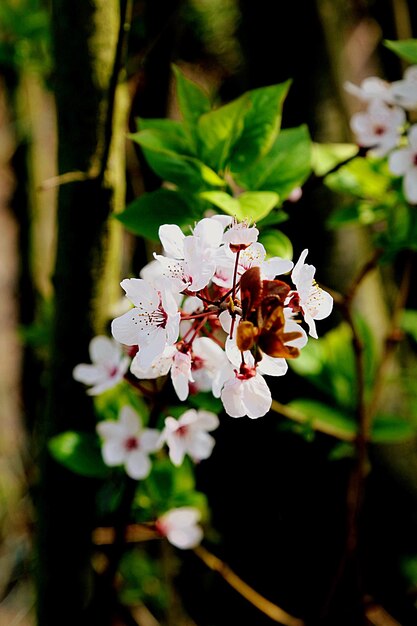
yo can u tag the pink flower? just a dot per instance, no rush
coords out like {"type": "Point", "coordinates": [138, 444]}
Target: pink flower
{"type": "Point", "coordinates": [152, 324]}
{"type": "Point", "coordinates": [180, 527]}
{"type": "Point", "coordinates": [126, 443]}
{"type": "Point", "coordinates": [189, 435]}
{"type": "Point", "coordinates": [403, 162]}
{"type": "Point", "coordinates": [108, 366]}
{"type": "Point", "coordinates": [246, 393]}
{"type": "Point", "coordinates": [378, 128]}
{"type": "Point", "coordinates": [240, 235]}
{"type": "Point", "coordinates": [313, 302]}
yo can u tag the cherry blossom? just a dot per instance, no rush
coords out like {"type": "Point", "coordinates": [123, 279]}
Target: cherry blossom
{"type": "Point", "coordinates": [403, 162]}
{"type": "Point", "coordinates": [190, 261]}
{"type": "Point", "coordinates": [180, 527]}
{"type": "Point", "coordinates": [371, 88]}
{"type": "Point", "coordinates": [152, 324]}
{"type": "Point", "coordinates": [245, 392]}
{"type": "Point", "coordinates": [253, 255]}
{"type": "Point", "coordinates": [379, 127]}
{"type": "Point", "coordinates": [313, 302]}
{"type": "Point", "coordinates": [108, 366]}
{"type": "Point", "coordinates": [189, 435]}
{"type": "Point", "coordinates": [404, 92]}
{"type": "Point", "coordinates": [208, 358]}
{"type": "Point", "coordinates": [126, 443]}
{"type": "Point", "coordinates": [240, 235]}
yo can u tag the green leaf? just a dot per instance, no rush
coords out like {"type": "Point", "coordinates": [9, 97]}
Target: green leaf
{"type": "Point", "coordinates": [251, 205]}
{"type": "Point", "coordinates": [261, 125]}
{"type": "Point", "coordinates": [276, 244]}
{"type": "Point", "coordinates": [362, 177]}
{"type": "Point", "coordinates": [145, 215]}
{"type": "Point", "coordinates": [391, 429]}
{"type": "Point", "coordinates": [405, 49]}
{"type": "Point", "coordinates": [181, 169]}
{"type": "Point", "coordinates": [219, 131]}
{"type": "Point", "coordinates": [255, 205]}
{"type": "Point", "coordinates": [409, 323]}
{"type": "Point", "coordinates": [359, 212]}
{"type": "Point", "coordinates": [285, 167]}
{"type": "Point", "coordinates": [170, 134]}
{"type": "Point", "coordinates": [323, 418]}
{"type": "Point", "coordinates": [193, 103]}
{"type": "Point", "coordinates": [326, 156]}
{"type": "Point", "coordinates": [80, 453]}
{"type": "Point", "coordinates": [223, 201]}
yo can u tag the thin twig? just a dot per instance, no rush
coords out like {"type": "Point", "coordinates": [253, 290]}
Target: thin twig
{"type": "Point", "coordinates": [274, 612]}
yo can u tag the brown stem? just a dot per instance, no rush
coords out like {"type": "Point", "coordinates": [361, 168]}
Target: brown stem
{"type": "Point", "coordinates": [274, 612]}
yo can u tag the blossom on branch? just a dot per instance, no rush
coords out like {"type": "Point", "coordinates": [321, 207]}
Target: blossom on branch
{"type": "Point", "coordinates": [189, 435]}
{"type": "Point", "coordinates": [403, 162]}
{"type": "Point", "coordinates": [180, 527]}
{"type": "Point", "coordinates": [126, 443]}
{"type": "Point", "coordinates": [109, 365]}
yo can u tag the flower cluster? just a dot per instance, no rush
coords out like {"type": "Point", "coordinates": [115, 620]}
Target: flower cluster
{"type": "Point", "coordinates": [383, 127]}
{"type": "Point", "coordinates": [211, 313]}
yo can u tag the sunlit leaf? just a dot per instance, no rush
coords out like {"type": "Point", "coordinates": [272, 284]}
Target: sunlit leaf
{"type": "Point", "coordinates": [285, 167]}
{"type": "Point", "coordinates": [405, 49]}
{"type": "Point", "coordinates": [261, 125]}
{"type": "Point", "coordinates": [276, 243]}
{"type": "Point", "coordinates": [80, 453]}
{"type": "Point", "coordinates": [325, 156]}
{"type": "Point", "coordinates": [220, 129]}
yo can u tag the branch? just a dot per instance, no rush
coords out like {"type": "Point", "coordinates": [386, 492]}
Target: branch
{"type": "Point", "coordinates": [274, 612]}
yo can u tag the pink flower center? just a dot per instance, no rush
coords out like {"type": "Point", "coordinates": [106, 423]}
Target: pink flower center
{"type": "Point", "coordinates": [246, 372]}
{"type": "Point", "coordinates": [380, 130]}
{"type": "Point", "coordinates": [182, 431]}
{"type": "Point", "coordinates": [198, 363]}
{"type": "Point", "coordinates": [131, 443]}
{"type": "Point", "coordinates": [113, 371]}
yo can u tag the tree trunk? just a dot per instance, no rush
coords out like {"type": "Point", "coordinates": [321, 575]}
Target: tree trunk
{"type": "Point", "coordinates": [87, 37]}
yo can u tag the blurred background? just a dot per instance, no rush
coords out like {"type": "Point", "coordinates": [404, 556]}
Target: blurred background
{"type": "Point", "coordinates": [278, 503]}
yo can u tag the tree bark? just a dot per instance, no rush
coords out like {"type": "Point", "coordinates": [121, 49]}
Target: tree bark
{"type": "Point", "coordinates": [87, 37]}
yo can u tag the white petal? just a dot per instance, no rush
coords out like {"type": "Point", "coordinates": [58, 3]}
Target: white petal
{"type": "Point", "coordinates": [185, 538]}
{"type": "Point", "coordinates": [410, 185]}
{"type": "Point", "coordinates": [201, 446]}
{"type": "Point", "coordinates": [125, 328]}
{"type": "Point", "coordinates": [272, 366]}
{"type": "Point", "coordinates": [399, 161]}
{"type": "Point", "coordinates": [114, 452]}
{"type": "Point", "coordinates": [130, 421]}
{"type": "Point", "coordinates": [149, 352]}
{"type": "Point", "coordinates": [141, 293]}
{"type": "Point", "coordinates": [275, 267]}
{"type": "Point", "coordinates": [87, 374]}
{"type": "Point", "coordinates": [209, 231]}
{"type": "Point", "coordinates": [177, 448]}
{"type": "Point", "coordinates": [256, 397]}
{"type": "Point", "coordinates": [231, 397]}
{"type": "Point", "coordinates": [104, 350]}
{"type": "Point", "coordinates": [150, 440]}
{"type": "Point", "coordinates": [172, 239]}
{"type": "Point", "coordinates": [137, 465]}
{"type": "Point", "coordinates": [295, 274]}
{"type": "Point", "coordinates": [207, 420]}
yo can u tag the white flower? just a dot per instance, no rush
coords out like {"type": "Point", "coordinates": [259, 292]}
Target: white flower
{"type": "Point", "coordinates": [314, 302]}
{"type": "Point", "coordinates": [252, 256]}
{"type": "Point", "coordinates": [108, 366]}
{"type": "Point", "coordinates": [181, 374]}
{"type": "Point", "coordinates": [404, 92]}
{"type": "Point", "coordinates": [403, 162]}
{"type": "Point", "coordinates": [126, 443]}
{"type": "Point", "coordinates": [378, 128]}
{"type": "Point", "coordinates": [180, 527]}
{"type": "Point", "coordinates": [240, 235]}
{"type": "Point", "coordinates": [189, 435]}
{"type": "Point", "coordinates": [190, 261]}
{"type": "Point", "coordinates": [372, 88]}
{"type": "Point", "coordinates": [207, 359]}
{"type": "Point", "coordinates": [246, 394]}
{"type": "Point", "coordinates": [160, 366]}
{"type": "Point", "coordinates": [152, 324]}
